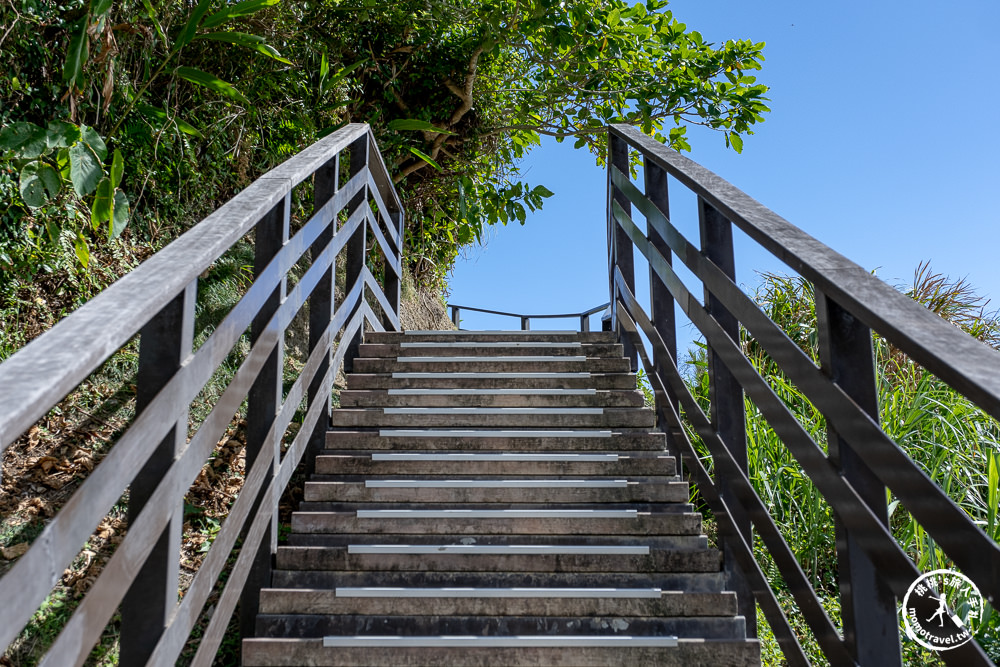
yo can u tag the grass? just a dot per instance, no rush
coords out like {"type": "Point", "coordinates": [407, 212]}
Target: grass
{"type": "Point", "coordinates": [954, 442]}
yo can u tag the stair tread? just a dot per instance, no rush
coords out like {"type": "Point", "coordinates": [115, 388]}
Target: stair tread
{"type": "Point", "coordinates": [496, 498]}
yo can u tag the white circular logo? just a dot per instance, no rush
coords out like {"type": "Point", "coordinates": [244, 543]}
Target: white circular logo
{"type": "Point", "coordinates": [942, 609]}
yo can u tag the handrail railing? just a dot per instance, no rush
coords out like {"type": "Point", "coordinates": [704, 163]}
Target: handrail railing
{"type": "Point", "coordinates": [526, 319]}
{"type": "Point", "coordinates": [154, 459]}
{"type": "Point", "coordinates": [863, 461]}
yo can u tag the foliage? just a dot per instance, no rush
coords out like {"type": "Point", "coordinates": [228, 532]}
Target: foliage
{"type": "Point", "coordinates": [955, 443]}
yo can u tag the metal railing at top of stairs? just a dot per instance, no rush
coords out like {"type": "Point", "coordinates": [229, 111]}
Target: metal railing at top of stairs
{"type": "Point", "coordinates": [863, 461]}
{"type": "Point", "coordinates": [584, 317]}
{"type": "Point", "coordinates": [154, 460]}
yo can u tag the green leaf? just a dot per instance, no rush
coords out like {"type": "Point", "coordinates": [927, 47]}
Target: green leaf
{"type": "Point", "coordinates": [211, 82]}
{"type": "Point", "coordinates": [84, 168]}
{"type": "Point", "coordinates": [542, 191]}
{"type": "Point", "coordinates": [192, 25]}
{"type": "Point", "coordinates": [93, 139]}
{"type": "Point", "coordinates": [248, 41]}
{"type": "Point", "coordinates": [82, 251]}
{"type": "Point", "coordinates": [415, 125]}
{"type": "Point", "coordinates": [61, 134]}
{"type": "Point", "coordinates": [162, 115]}
{"type": "Point", "coordinates": [339, 76]}
{"type": "Point", "coordinates": [614, 17]}
{"type": "Point", "coordinates": [39, 183]}
{"type": "Point", "coordinates": [79, 45]}
{"type": "Point", "coordinates": [31, 186]}
{"type": "Point", "coordinates": [119, 219]}
{"type": "Point", "coordinates": [117, 169]}
{"type": "Point", "coordinates": [100, 7]}
{"type": "Point", "coordinates": [426, 158]}
{"type": "Point", "coordinates": [26, 139]}
{"type": "Point", "coordinates": [152, 18]}
{"type": "Point", "coordinates": [104, 202]}
{"type": "Point", "coordinates": [737, 142]}
{"type": "Point", "coordinates": [239, 9]}
{"type": "Point", "coordinates": [324, 68]}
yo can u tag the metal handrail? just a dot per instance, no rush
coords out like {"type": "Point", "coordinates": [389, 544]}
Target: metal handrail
{"type": "Point", "coordinates": [526, 319]}
{"type": "Point", "coordinates": [862, 462]}
{"type": "Point", "coordinates": [154, 459]}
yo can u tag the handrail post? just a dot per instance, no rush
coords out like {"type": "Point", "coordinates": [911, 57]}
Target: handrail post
{"type": "Point", "coordinates": [662, 312]}
{"type": "Point", "coordinates": [263, 403]}
{"type": "Point", "coordinates": [868, 607]}
{"type": "Point", "coordinates": [164, 343]}
{"type": "Point", "coordinates": [525, 323]}
{"type": "Point", "coordinates": [455, 317]}
{"type": "Point", "coordinates": [620, 252]}
{"type": "Point", "coordinates": [357, 249]}
{"type": "Point", "coordinates": [584, 323]}
{"type": "Point", "coordinates": [726, 395]}
{"type": "Point", "coordinates": [321, 304]}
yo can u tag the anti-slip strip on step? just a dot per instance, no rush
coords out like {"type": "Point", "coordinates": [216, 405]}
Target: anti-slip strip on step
{"type": "Point", "coordinates": [499, 549]}
{"type": "Point", "coordinates": [488, 376]}
{"type": "Point", "coordinates": [461, 456]}
{"type": "Point", "coordinates": [471, 433]}
{"type": "Point", "coordinates": [492, 392]}
{"type": "Point", "coordinates": [518, 343]}
{"type": "Point", "coordinates": [602, 593]}
{"type": "Point", "coordinates": [477, 332]}
{"type": "Point", "coordinates": [497, 514]}
{"type": "Point", "coordinates": [492, 411]}
{"type": "Point", "coordinates": [447, 360]}
{"type": "Point", "coordinates": [496, 483]}
{"type": "Point", "coordinates": [519, 641]}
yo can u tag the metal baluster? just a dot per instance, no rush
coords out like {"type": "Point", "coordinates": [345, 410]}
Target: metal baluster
{"type": "Point", "coordinates": [321, 304]}
{"type": "Point", "coordinates": [164, 343]}
{"type": "Point", "coordinates": [525, 324]}
{"type": "Point", "coordinates": [868, 607]}
{"type": "Point", "coordinates": [357, 248]}
{"type": "Point", "coordinates": [264, 401]}
{"type": "Point", "coordinates": [619, 244]}
{"type": "Point", "coordinates": [661, 302]}
{"type": "Point", "coordinates": [455, 317]}
{"type": "Point", "coordinates": [726, 394]}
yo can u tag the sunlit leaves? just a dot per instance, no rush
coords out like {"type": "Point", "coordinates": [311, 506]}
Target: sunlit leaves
{"type": "Point", "coordinates": [84, 168]}
{"type": "Point", "coordinates": [211, 82]}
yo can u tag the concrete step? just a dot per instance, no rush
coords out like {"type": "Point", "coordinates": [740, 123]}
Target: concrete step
{"type": "Point", "coordinates": [494, 463]}
{"type": "Point", "coordinates": [605, 337]}
{"type": "Point", "coordinates": [521, 417]}
{"type": "Point", "coordinates": [574, 380]}
{"type": "Point", "coordinates": [496, 602]}
{"type": "Point", "coordinates": [502, 348]}
{"type": "Point", "coordinates": [687, 653]}
{"type": "Point", "coordinates": [672, 521]}
{"type": "Point", "coordinates": [492, 364]}
{"type": "Point", "coordinates": [320, 625]}
{"type": "Point", "coordinates": [510, 398]}
{"type": "Point", "coordinates": [688, 542]}
{"type": "Point", "coordinates": [503, 558]}
{"type": "Point", "coordinates": [692, 582]}
{"type": "Point", "coordinates": [495, 490]}
{"type": "Point", "coordinates": [511, 440]}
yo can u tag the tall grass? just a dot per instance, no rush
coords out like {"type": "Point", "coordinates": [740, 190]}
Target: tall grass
{"type": "Point", "coordinates": [954, 442]}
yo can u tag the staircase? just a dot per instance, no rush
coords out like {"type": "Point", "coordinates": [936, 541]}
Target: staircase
{"type": "Point", "coordinates": [496, 498]}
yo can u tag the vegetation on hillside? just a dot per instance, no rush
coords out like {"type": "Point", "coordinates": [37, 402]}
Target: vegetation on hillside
{"type": "Point", "coordinates": [147, 115]}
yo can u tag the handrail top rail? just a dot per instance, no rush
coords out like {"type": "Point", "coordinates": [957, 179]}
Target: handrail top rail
{"type": "Point", "coordinates": [596, 309]}
{"type": "Point", "coordinates": [966, 363]}
{"type": "Point", "coordinates": [40, 374]}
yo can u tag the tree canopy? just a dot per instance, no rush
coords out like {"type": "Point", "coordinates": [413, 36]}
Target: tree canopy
{"type": "Point", "coordinates": [207, 97]}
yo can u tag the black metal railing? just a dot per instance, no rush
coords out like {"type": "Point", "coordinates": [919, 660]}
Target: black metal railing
{"type": "Point", "coordinates": [862, 462]}
{"type": "Point", "coordinates": [154, 459]}
{"type": "Point", "coordinates": [584, 317]}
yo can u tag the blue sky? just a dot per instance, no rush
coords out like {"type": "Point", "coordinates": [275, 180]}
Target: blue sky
{"type": "Point", "coordinates": [883, 142]}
